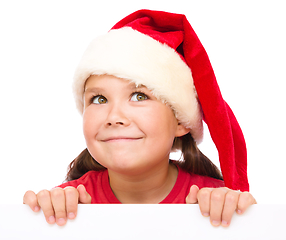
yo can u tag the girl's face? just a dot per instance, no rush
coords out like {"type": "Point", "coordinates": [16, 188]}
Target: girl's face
{"type": "Point", "coordinates": [126, 128]}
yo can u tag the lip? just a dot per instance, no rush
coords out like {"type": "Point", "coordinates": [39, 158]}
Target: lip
{"type": "Point", "coordinates": [120, 138]}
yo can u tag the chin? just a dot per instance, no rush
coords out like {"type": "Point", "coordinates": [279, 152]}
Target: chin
{"type": "Point", "coordinates": [126, 166]}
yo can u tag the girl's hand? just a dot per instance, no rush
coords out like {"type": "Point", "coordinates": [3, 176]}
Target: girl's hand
{"type": "Point", "coordinates": [59, 204]}
{"type": "Point", "coordinates": [220, 203]}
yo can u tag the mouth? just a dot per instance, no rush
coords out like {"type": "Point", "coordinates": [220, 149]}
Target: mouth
{"type": "Point", "coordinates": [121, 139]}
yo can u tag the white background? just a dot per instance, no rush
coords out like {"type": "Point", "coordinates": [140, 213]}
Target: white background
{"type": "Point", "coordinates": [41, 43]}
{"type": "Point", "coordinates": [121, 221]}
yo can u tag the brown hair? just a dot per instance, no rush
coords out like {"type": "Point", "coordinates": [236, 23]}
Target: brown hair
{"type": "Point", "coordinates": [194, 161]}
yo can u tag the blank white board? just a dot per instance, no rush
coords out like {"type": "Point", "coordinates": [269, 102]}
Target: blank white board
{"type": "Point", "coordinates": [110, 221]}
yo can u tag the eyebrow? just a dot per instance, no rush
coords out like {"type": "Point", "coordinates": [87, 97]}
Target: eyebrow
{"type": "Point", "coordinates": [92, 89]}
{"type": "Point", "coordinates": [139, 86]}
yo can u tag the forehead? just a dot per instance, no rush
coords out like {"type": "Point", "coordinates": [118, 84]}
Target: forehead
{"type": "Point", "coordinates": [106, 80]}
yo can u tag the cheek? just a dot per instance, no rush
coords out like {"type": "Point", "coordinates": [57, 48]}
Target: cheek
{"type": "Point", "coordinates": [161, 121]}
{"type": "Point", "coordinates": [89, 125]}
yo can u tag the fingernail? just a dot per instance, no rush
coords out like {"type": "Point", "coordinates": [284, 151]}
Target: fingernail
{"type": "Point", "coordinates": [224, 223]}
{"type": "Point", "coordinates": [51, 219]}
{"type": "Point", "coordinates": [206, 214]}
{"type": "Point", "coordinates": [61, 221]}
{"type": "Point", "coordinates": [36, 209]}
{"type": "Point", "coordinates": [71, 215]}
{"type": "Point", "coordinates": [215, 223]}
{"type": "Point", "coordinates": [239, 211]}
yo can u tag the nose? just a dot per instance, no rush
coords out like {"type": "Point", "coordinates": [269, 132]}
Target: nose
{"type": "Point", "coordinates": [117, 115]}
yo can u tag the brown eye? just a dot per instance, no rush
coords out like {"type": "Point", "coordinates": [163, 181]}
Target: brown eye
{"type": "Point", "coordinates": [99, 99]}
{"type": "Point", "coordinates": [138, 97]}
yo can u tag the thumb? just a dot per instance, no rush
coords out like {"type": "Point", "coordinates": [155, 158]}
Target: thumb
{"type": "Point", "coordinates": [192, 196]}
{"type": "Point", "coordinates": [84, 197]}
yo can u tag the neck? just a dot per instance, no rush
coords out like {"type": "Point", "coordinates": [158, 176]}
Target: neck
{"type": "Point", "coordinates": [151, 187]}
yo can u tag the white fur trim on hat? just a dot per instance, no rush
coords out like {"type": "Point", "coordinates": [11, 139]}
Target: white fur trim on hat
{"type": "Point", "coordinates": [129, 54]}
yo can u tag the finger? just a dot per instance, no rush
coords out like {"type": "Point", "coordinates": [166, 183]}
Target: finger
{"type": "Point", "coordinates": [84, 197]}
{"type": "Point", "coordinates": [192, 196]}
{"type": "Point", "coordinates": [30, 198]}
{"type": "Point", "coordinates": [204, 201]}
{"type": "Point", "coordinates": [44, 200]}
{"type": "Point", "coordinates": [216, 205]}
{"type": "Point", "coordinates": [71, 196]}
{"type": "Point", "coordinates": [59, 204]}
{"type": "Point", "coordinates": [244, 201]}
{"type": "Point", "coordinates": [230, 205]}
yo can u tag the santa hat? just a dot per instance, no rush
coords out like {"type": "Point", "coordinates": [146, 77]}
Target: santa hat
{"type": "Point", "coordinates": [161, 51]}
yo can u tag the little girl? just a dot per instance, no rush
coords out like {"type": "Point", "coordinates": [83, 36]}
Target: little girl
{"type": "Point", "coordinates": [143, 90]}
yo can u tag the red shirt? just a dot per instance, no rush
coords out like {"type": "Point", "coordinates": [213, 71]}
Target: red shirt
{"type": "Point", "coordinates": [97, 185]}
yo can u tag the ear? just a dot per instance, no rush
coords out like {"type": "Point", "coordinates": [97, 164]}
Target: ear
{"type": "Point", "coordinates": [181, 130]}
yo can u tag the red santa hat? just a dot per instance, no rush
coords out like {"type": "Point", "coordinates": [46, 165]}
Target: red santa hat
{"type": "Point", "coordinates": [161, 51]}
